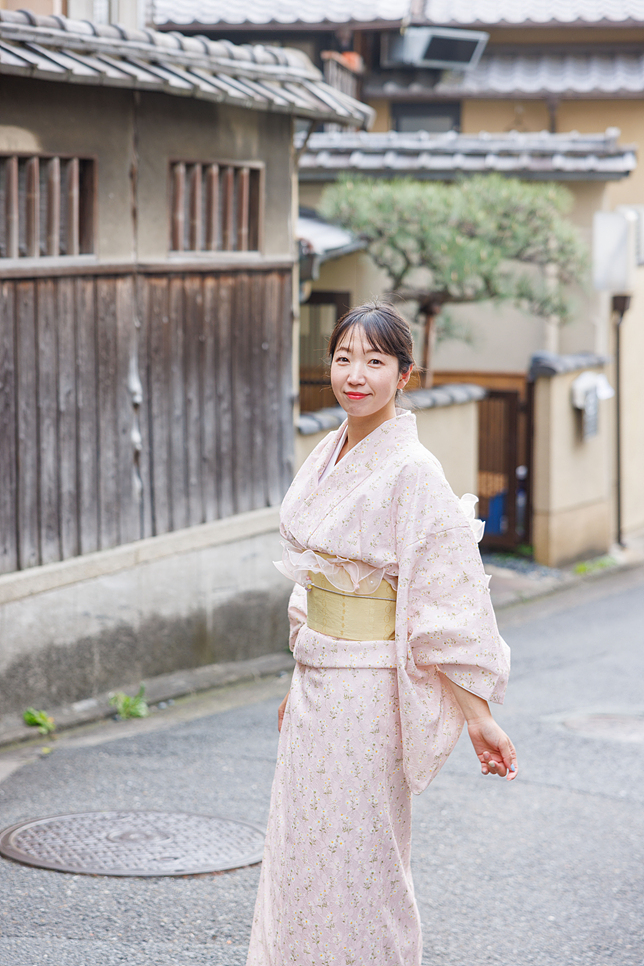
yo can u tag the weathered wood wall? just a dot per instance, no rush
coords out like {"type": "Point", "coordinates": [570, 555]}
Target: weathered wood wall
{"type": "Point", "coordinates": [136, 404]}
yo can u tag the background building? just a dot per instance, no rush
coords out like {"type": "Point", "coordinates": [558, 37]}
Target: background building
{"type": "Point", "coordinates": [564, 68]}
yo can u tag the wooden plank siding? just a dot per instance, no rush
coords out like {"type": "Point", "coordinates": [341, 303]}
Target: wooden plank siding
{"type": "Point", "coordinates": [67, 419]}
{"type": "Point", "coordinates": [107, 384]}
{"type": "Point", "coordinates": [8, 423]}
{"type": "Point", "coordinates": [132, 405]}
{"type": "Point", "coordinates": [224, 334]}
{"type": "Point", "coordinates": [87, 466]}
{"type": "Point", "coordinates": [47, 394]}
{"type": "Point", "coordinates": [27, 497]}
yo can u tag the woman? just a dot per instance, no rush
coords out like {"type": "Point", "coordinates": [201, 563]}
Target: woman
{"type": "Point", "coordinates": [396, 645]}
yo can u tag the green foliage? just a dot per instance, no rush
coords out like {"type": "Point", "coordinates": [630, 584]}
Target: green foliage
{"type": "Point", "coordinates": [595, 566]}
{"type": "Point", "coordinates": [472, 236]}
{"type": "Point", "coordinates": [525, 550]}
{"type": "Point", "coordinates": [130, 707]}
{"type": "Point", "coordinates": [39, 719]}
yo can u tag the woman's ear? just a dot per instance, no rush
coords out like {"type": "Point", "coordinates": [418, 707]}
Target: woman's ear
{"type": "Point", "coordinates": [405, 377]}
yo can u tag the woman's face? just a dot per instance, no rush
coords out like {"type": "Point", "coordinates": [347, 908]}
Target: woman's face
{"type": "Point", "coordinates": [364, 380]}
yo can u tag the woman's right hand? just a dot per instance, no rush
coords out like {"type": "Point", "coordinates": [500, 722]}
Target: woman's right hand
{"type": "Point", "coordinates": [281, 712]}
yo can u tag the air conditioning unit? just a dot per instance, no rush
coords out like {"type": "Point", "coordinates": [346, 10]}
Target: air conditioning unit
{"type": "Point", "coordinates": [437, 47]}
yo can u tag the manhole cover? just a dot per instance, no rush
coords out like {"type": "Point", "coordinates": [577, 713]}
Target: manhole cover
{"type": "Point", "coordinates": [615, 727]}
{"type": "Point", "coordinates": [133, 843]}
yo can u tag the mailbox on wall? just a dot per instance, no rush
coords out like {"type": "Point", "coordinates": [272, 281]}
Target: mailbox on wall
{"type": "Point", "coordinates": [586, 392]}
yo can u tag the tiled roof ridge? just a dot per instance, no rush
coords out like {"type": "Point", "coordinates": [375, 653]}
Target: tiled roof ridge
{"type": "Point", "coordinates": [62, 32]}
{"type": "Point", "coordinates": [448, 13]}
{"type": "Point", "coordinates": [534, 13]}
{"type": "Point", "coordinates": [605, 142]}
{"type": "Point", "coordinates": [447, 394]}
{"type": "Point", "coordinates": [520, 72]}
{"type": "Point", "coordinates": [535, 155]}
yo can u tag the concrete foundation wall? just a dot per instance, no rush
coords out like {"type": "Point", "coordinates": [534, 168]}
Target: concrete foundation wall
{"type": "Point", "coordinates": [199, 596]}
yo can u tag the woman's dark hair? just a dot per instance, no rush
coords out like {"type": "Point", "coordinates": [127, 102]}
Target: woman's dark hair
{"type": "Point", "coordinates": [385, 330]}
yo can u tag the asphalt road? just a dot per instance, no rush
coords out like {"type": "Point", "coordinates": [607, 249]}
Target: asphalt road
{"type": "Point", "coordinates": [546, 870]}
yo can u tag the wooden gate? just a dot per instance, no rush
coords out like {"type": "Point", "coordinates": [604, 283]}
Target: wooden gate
{"type": "Point", "coordinates": [504, 469]}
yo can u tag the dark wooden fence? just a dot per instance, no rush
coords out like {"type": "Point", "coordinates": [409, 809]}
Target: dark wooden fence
{"type": "Point", "coordinates": [136, 404]}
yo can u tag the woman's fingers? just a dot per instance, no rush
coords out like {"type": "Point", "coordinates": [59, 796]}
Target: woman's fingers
{"type": "Point", "coordinates": [509, 758]}
{"type": "Point", "coordinates": [493, 767]}
{"type": "Point", "coordinates": [507, 766]}
{"type": "Point", "coordinates": [494, 749]}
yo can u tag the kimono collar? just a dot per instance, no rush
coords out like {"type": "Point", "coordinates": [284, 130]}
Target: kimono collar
{"type": "Point", "coordinates": [392, 432]}
{"type": "Point", "coordinates": [309, 500]}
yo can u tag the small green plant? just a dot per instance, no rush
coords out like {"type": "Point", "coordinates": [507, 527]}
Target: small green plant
{"type": "Point", "coordinates": [525, 550]}
{"type": "Point", "coordinates": [593, 566]}
{"type": "Point", "coordinates": [39, 719]}
{"type": "Point", "coordinates": [130, 707]}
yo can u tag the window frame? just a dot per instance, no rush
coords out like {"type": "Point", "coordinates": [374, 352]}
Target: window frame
{"type": "Point", "coordinates": [193, 205]}
{"type": "Point", "coordinates": [84, 234]}
{"type": "Point", "coordinates": [428, 108]}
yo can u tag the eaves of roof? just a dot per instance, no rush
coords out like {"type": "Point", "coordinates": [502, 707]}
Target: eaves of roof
{"type": "Point", "coordinates": [203, 14]}
{"type": "Point", "coordinates": [537, 156]}
{"type": "Point", "coordinates": [536, 74]}
{"type": "Point", "coordinates": [259, 77]}
{"type": "Point", "coordinates": [324, 240]}
{"type": "Point", "coordinates": [537, 13]}
{"type": "Point", "coordinates": [195, 14]}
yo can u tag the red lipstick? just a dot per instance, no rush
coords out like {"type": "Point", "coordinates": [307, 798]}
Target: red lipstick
{"type": "Point", "coordinates": [356, 395]}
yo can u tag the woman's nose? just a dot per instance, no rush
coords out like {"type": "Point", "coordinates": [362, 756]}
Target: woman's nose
{"type": "Point", "coordinates": [356, 373]}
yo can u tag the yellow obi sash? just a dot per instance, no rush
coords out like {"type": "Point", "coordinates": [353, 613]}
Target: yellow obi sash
{"type": "Point", "coordinates": [351, 616]}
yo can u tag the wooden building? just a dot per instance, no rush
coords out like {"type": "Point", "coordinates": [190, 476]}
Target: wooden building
{"type": "Point", "coordinates": [146, 257]}
{"type": "Point", "coordinates": [147, 183]}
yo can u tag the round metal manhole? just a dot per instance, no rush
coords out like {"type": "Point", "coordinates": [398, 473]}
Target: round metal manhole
{"type": "Point", "coordinates": [611, 727]}
{"type": "Point", "coordinates": [133, 843]}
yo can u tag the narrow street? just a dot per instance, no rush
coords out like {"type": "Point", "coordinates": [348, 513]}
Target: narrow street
{"type": "Point", "coordinates": [547, 870]}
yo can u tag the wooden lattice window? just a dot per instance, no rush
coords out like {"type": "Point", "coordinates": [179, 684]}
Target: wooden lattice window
{"type": "Point", "coordinates": [216, 207]}
{"type": "Point", "coordinates": [47, 206]}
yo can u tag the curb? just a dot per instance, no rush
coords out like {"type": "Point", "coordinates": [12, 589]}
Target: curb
{"type": "Point", "coordinates": [160, 688]}
{"type": "Point", "coordinates": [568, 580]}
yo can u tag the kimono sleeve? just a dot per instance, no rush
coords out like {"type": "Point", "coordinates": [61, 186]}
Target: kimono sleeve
{"type": "Point", "coordinates": [450, 619]}
{"type": "Point", "coordinates": [296, 613]}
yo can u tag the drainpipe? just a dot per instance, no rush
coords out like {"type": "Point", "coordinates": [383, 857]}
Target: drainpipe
{"type": "Point", "coordinates": [621, 304]}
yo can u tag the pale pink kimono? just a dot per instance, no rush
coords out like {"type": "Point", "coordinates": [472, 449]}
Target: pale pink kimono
{"type": "Point", "coordinates": [370, 722]}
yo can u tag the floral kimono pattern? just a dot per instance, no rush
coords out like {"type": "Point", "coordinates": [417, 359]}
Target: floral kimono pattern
{"type": "Point", "coordinates": [368, 723]}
